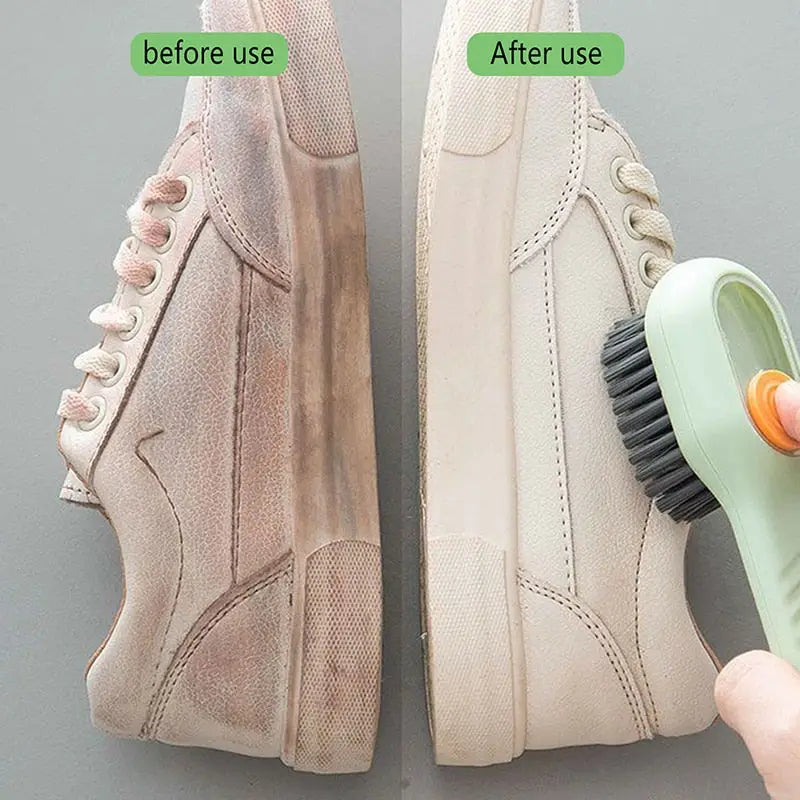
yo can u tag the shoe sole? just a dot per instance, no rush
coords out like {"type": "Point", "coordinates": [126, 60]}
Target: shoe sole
{"type": "Point", "coordinates": [472, 620]}
{"type": "Point", "coordinates": [333, 690]}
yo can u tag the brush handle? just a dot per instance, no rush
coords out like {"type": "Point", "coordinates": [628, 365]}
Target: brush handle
{"type": "Point", "coordinates": [767, 531]}
{"type": "Point", "coordinates": [711, 326]}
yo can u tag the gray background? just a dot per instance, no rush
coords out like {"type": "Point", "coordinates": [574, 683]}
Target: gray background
{"type": "Point", "coordinates": [80, 133]}
{"type": "Point", "coordinates": [708, 94]}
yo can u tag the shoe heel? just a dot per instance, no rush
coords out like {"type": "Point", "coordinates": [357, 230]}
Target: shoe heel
{"type": "Point", "coordinates": [339, 682]}
{"type": "Point", "coordinates": [473, 642]}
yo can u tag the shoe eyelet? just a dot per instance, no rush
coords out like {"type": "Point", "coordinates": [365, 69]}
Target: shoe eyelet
{"type": "Point", "coordinates": [122, 364]}
{"type": "Point", "coordinates": [173, 229]}
{"type": "Point", "coordinates": [629, 224]}
{"type": "Point", "coordinates": [644, 263]}
{"type": "Point", "coordinates": [90, 425]}
{"type": "Point", "coordinates": [616, 165]}
{"type": "Point", "coordinates": [153, 285]}
{"type": "Point", "coordinates": [187, 182]}
{"type": "Point", "coordinates": [138, 319]}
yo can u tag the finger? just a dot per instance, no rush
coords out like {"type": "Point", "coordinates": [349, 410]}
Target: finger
{"type": "Point", "coordinates": [787, 401]}
{"type": "Point", "coordinates": [758, 695]}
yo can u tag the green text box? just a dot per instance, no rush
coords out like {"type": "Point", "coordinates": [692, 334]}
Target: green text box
{"type": "Point", "coordinates": [546, 54]}
{"type": "Point", "coordinates": [209, 54]}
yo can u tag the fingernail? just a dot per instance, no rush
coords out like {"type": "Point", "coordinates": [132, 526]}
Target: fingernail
{"type": "Point", "coordinates": [787, 403]}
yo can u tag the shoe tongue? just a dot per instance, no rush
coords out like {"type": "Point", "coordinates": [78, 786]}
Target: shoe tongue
{"type": "Point", "coordinates": [192, 102]}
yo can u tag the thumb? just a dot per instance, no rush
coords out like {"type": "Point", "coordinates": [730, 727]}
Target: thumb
{"type": "Point", "coordinates": [787, 402]}
{"type": "Point", "coordinates": [758, 695]}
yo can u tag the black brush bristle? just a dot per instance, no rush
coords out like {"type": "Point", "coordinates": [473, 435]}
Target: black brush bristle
{"type": "Point", "coordinates": [644, 423]}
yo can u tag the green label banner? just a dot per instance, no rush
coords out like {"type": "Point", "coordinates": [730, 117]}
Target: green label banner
{"type": "Point", "coordinates": [209, 54]}
{"type": "Point", "coordinates": [546, 54]}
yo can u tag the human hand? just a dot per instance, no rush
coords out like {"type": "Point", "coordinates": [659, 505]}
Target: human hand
{"type": "Point", "coordinates": [758, 694]}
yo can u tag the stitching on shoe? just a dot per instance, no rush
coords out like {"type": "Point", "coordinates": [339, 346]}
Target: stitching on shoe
{"type": "Point", "coordinates": [596, 123]}
{"type": "Point", "coordinates": [242, 347]}
{"type": "Point", "coordinates": [247, 361]}
{"type": "Point", "coordinates": [67, 492]}
{"type": "Point", "coordinates": [274, 272]}
{"type": "Point", "coordinates": [151, 469]}
{"type": "Point", "coordinates": [566, 527]}
{"type": "Point", "coordinates": [77, 490]}
{"type": "Point", "coordinates": [529, 246]}
{"type": "Point", "coordinates": [636, 629]}
{"type": "Point", "coordinates": [178, 668]}
{"type": "Point", "coordinates": [631, 695]}
{"type": "Point", "coordinates": [621, 252]}
{"type": "Point", "coordinates": [628, 271]}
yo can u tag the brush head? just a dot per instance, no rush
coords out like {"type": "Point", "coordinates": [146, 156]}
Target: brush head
{"type": "Point", "coordinates": [646, 430]}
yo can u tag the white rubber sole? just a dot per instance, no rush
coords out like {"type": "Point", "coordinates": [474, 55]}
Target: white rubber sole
{"type": "Point", "coordinates": [334, 668]}
{"type": "Point", "coordinates": [471, 610]}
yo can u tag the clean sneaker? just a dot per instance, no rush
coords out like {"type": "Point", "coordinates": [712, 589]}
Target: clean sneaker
{"type": "Point", "coordinates": [555, 611]}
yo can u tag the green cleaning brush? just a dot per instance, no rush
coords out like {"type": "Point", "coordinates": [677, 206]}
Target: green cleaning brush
{"type": "Point", "coordinates": [693, 384]}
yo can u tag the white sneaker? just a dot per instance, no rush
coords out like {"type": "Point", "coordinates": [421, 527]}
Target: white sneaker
{"type": "Point", "coordinates": [225, 425]}
{"type": "Point", "coordinates": [555, 609]}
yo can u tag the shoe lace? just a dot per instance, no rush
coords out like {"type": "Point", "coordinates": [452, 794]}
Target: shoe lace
{"type": "Point", "coordinates": [133, 269]}
{"type": "Point", "coordinates": [648, 223]}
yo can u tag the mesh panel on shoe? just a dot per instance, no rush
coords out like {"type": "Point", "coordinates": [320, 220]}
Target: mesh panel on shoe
{"type": "Point", "coordinates": [341, 659]}
{"type": "Point", "coordinates": [314, 87]}
{"type": "Point", "coordinates": [469, 652]}
{"type": "Point", "coordinates": [480, 109]}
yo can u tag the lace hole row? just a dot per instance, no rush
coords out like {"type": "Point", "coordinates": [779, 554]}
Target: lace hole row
{"type": "Point", "coordinates": [136, 311]}
{"type": "Point", "coordinates": [173, 230]}
{"type": "Point", "coordinates": [646, 258]}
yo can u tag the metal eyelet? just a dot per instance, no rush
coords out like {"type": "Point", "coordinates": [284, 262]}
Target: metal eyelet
{"type": "Point", "coordinates": [632, 232]}
{"type": "Point", "coordinates": [173, 230]}
{"type": "Point", "coordinates": [122, 364]}
{"type": "Point", "coordinates": [616, 165]}
{"type": "Point", "coordinates": [187, 182]}
{"type": "Point", "coordinates": [153, 285]}
{"type": "Point", "coordinates": [644, 263]}
{"type": "Point", "coordinates": [90, 425]}
{"type": "Point", "coordinates": [138, 319]}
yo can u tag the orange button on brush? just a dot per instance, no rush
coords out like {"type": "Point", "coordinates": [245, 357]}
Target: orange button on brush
{"type": "Point", "coordinates": [761, 404]}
